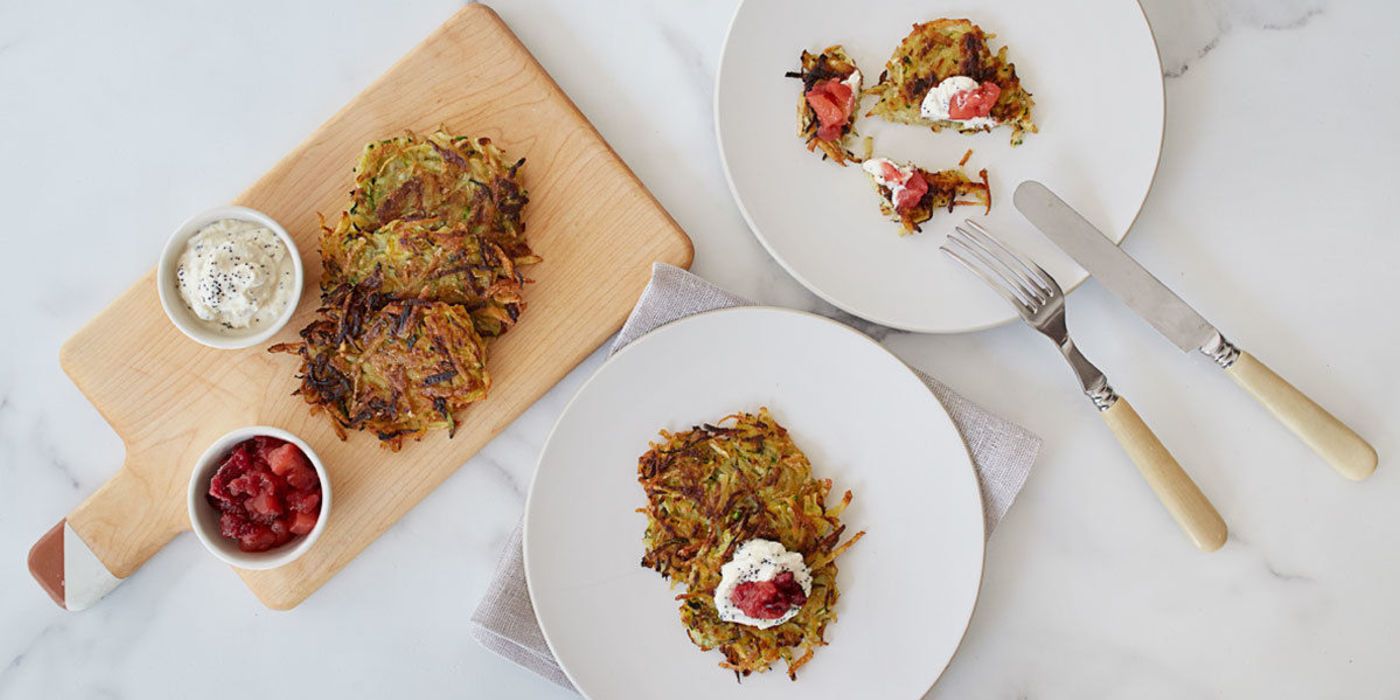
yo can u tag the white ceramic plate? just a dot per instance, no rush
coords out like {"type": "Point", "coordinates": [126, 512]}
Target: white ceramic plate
{"type": "Point", "coordinates": [1092, 67]}
{"type": "Point", "coordinates": [863, 419]}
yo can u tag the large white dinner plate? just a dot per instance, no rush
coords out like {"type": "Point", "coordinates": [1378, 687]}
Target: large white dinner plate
{"type": "Point", "coordinates": [863, 419]}
{"type": "Point", "coordinates": [1097, 82]}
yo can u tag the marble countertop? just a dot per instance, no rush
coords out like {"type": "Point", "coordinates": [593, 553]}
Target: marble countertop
{"type": "Point", "coordinates": [116, 122]}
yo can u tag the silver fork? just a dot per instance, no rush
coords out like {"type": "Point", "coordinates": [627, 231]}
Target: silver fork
{"type": "Point", "coordinates": [1037, 297]}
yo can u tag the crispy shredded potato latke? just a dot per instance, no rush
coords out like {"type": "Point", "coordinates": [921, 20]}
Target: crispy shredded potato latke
{"type": "Point", "coordinates": [396, 367]}
{"type": "Point", "coordinates": [831, 63]}
{"type": "Point", "coordinates": [935, 51]}
{"type": "Point", "coordinates": [420, 269]}
{"type": "Point", "coordinates": [946, 189]}
{"type": "Point", "coordinates": [430, 258]}
{"type": "Point", "coordinates": [714, 487]}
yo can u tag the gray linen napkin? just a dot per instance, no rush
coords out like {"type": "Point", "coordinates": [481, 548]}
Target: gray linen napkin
{"type": "Point", "coordinates": [1002, 452]}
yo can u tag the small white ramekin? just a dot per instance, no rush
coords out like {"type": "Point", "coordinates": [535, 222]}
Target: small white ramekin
{"type": "Point", "coordinates": [184, 318]}
{"type": "Point", "coordinates": [204, 517]}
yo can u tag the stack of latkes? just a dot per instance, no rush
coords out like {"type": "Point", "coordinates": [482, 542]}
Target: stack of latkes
{"type": "Point", "coordinates": [419, 272]}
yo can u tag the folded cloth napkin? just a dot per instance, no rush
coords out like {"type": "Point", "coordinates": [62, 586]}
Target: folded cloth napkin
{"type": "Point", "coordinates": [1002, 452]}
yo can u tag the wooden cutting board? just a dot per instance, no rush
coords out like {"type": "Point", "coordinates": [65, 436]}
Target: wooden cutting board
{"type": "Point", "coordinates": [595, 225]}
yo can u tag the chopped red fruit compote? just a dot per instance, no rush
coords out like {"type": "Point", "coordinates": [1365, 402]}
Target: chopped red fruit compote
{"type": "Point", "coordinates": [769, 600]}
{"type": "Point", "coordinates": [267, 492]}
{"type": "Point", "coordinates": [971, 104]}
{"type": "Point", "coordinates": [833, 101]}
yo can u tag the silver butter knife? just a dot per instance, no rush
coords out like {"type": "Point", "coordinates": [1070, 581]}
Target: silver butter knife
{"type": "Point", "coordinates": [1346, 451]}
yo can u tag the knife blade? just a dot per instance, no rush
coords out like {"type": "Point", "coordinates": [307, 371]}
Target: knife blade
{"type": "Point", "coordinates": [1118, 271]}
{"type": "Point", "coordinates": [1350, 455]}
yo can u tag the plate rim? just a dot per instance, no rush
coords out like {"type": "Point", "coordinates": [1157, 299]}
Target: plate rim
{"type": "Point", "coordinates": [942, 411]}
{"type": "Point", "coordinates": [1011, 314]}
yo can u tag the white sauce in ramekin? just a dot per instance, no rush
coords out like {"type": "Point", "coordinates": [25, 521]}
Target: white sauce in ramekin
{"type": "Point", "coordinates": [236, 274]}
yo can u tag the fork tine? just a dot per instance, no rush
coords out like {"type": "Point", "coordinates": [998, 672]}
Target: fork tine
{"type": "Point", "coordinates": [1014, 280]}
{"type": "Point", "coordinates": [975, 254]}
{"type": "Point", "coordinates": [970, 258]}
{"type": "Point", "coordinates": [1028, 268]}
{"type": "Point", "coordinates": [1013, 262]}
{"type": "Point", "coordinates": [991, 282]}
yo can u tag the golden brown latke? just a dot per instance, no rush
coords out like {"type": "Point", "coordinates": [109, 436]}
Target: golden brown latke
{"type": "Point", "coordinates": [442, 176]}
{"type": "Point", "coordinates": [423, 264]}
{"type": "Point", "coordinates": [398, 367]}
{"type": "Point", "coordinates": [935, 51]}
{"type": "Point", "coordinates": [946, 189]}
{"type": "Point", "coordinates": [831, 63]}
{"type": "Point", "coordinates": [431, 259]}
{"type": "Point", "coordinates": [712, 488]}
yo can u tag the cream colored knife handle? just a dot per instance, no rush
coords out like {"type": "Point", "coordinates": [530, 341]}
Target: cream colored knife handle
{"type": "Point", "coordinates": [1174, 487]}
{"type": "Point", "coordinates": [1330, 438]}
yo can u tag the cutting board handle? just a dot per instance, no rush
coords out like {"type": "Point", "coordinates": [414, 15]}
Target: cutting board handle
{"type": "Point", "coordinates": [108, 537]}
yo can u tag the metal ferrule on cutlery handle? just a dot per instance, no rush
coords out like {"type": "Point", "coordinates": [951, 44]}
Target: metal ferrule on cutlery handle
{"type": "Point", "coordinates": [1330, 438]}
{"type": "Point", "coordinates": [1095, 384]}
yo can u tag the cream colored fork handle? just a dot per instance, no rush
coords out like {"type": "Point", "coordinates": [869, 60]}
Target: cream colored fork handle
{"type": "Point", "coordinates": [1330, 438]}
{"type": "Point", "coordinates": [1174, 487]}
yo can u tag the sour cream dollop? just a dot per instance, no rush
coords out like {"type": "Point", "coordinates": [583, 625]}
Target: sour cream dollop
{"type": "Point", "coordinates": [906, 186]}
{"type": "Point", "coordinates": [759, 561]}
{"type": "Point", "coordinates": [237, 274]}
{"type": "Point", "coordinates": [852, 81]}
{"type": "Point", "coordinates": [936, 102]}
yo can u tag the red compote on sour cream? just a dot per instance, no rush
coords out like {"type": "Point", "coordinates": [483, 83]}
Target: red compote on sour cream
{"type": "Point", "coordinates": [962, 100]}
{"type": "Point", "coordinates": [907, 187]}
{"type": "Point", "coordinates": [833, 101]}
{"type": "Point", "coordinates": [763, 585]}
{"type": "Point", "coordinates": [267, 492]}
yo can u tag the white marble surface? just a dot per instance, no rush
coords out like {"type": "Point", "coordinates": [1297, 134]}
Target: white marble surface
{"type": "Point", "coordinates": [1271, 211]}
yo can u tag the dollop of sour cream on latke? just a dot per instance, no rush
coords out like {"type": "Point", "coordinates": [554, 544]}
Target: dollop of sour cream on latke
{"type": "Point", "coordinates": [935, 104]}
{"type": "Point", "coordinates": [852, 81]}
{"type": "Point", "coordinates": [759, 560]}
{"type": "Point", "coordinates": [874, 166]}
{"type": "Point", "coordinates": [236, 274]}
